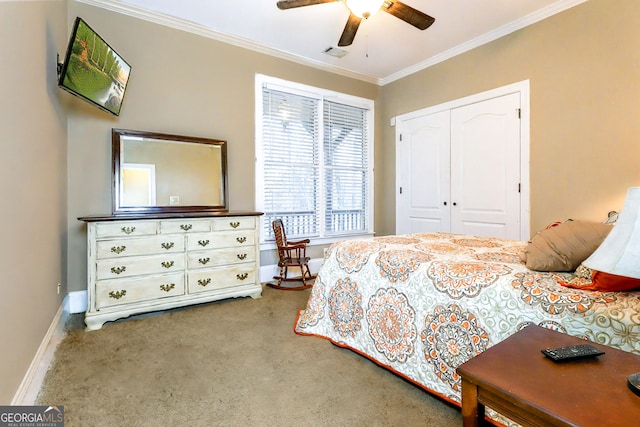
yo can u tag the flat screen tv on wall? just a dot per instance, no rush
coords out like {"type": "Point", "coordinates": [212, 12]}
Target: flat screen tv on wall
{"type": "Point", "coordinates": [93, 71]}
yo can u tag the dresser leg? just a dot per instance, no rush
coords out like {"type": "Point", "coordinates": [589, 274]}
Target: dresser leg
{"type": "Point", "coordinates": [93, 324]}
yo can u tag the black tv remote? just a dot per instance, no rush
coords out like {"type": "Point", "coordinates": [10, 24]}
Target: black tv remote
{"type": "Point", "coordinates": [572, 352]}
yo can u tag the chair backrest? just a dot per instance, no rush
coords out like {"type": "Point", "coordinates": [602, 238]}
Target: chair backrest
{"type": "Point", "coordinates": [281, 237]}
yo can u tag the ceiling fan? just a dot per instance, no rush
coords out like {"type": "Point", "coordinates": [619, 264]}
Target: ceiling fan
{"type": "Point", "coordinates": [363, 9]}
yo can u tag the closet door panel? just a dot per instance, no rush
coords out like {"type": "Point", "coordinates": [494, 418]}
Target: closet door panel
{"type": "Point", "coordinates": [424, 175]}
{"type": "Point", "coordinates": [485, 174]}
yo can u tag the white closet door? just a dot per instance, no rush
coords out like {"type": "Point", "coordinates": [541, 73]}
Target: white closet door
{"type": "Point", "coordinates": [423, 204]}
{"type": "Point", "coordinates": [485, 173]}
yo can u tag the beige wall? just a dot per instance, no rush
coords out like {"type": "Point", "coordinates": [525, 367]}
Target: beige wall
{"type": "Point", "coordinates": [32, 182]}
{"type": "Point", "coordinates": [180, 84]}
{"type": "Point", "coordinates": [584, 71]}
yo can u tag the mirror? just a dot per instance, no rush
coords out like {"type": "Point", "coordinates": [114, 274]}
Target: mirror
{"type": "Point", "coordinates": [161, 173]}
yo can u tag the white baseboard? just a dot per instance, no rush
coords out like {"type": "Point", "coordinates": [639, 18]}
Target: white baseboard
{"type": "Point", "coordinates": [268, 271]}
{"type": "Point", "coordinates": [31, 384]}
{"type": "Point", "coordinates": [76, 302]}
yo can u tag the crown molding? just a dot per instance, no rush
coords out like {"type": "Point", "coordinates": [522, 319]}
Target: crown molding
{"type": "Point", "coordinates": [191, 27]}
{"type": "Point", "coordinates": [523, 22]}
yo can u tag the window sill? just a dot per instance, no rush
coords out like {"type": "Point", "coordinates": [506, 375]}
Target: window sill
{"type": "Point", "coordinates": [316, 241]}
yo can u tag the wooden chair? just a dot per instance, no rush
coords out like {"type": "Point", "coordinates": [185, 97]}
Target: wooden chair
{"type": "Point", "coordinates": [291, 254]}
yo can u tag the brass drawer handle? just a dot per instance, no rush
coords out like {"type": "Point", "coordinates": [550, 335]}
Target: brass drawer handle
{"type": "Point", "coordinates": [203, 243]}
{"type": "Point", "coordinates": [118, 270]}
{"type": "Point", "coordinates": [234, 224]}
{"type": "Point", "coordinates": [117, 294]}
{"type": "Point", "coordinates": [242, 276]}
{"type": "Point", "coordinates": [204, 261]}
{"type": "Point", "coordinates": [167, 245]}
{"type": "Point", "coordinates": [204, 282]}
{"type": "Point", "coordinates": [241, 256]}
{"type": "Point", "coordinates": [128, 230]}
{"type": "Point", "coordinates": [118, 249]}
{"type": "Point", "coordinates": [167, 287]}
{"type": "Point", "coordinates": [241, 239]}
{"type": "Point", "coordinates": [167, 264]}
{"type": "Point", "coordinates": [186, 227]}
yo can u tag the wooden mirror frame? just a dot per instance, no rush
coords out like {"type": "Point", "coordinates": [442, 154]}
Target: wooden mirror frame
{"type": "Point", "coordinates": [117, 136]}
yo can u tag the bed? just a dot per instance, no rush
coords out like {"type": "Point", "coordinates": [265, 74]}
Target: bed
{"type": "Point", "coordinates": [422, 304]}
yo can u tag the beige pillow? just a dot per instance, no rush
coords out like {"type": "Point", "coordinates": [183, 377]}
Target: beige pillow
{"type": "Point", "coordinates": [565, 246]}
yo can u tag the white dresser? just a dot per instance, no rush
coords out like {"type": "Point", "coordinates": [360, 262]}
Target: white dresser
{"type": "Point", "coordinates": [142, 264]}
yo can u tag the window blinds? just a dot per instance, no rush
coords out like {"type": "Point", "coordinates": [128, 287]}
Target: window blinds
{"type": "Point", "coordinates": [345, 168]}
{"type": "Point", "coordinates": [291, 162]}
{"type": "Point", "coordinates": [315, 165]}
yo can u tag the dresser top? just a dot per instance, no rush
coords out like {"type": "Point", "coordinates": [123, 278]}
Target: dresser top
{"type": "Point", "coordinates": [133, 216]}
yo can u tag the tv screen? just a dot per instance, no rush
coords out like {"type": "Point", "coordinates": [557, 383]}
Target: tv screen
{"type": "Point", "coordinates": [93, 71]}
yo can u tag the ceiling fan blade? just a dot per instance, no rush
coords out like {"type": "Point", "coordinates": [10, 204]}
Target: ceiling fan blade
{"type": "Point", "coordinates": [409, 15]}
{"type": "Point", "coordinates": [349, 32]}
{"type": "Point", "coordinates": [289, 4]}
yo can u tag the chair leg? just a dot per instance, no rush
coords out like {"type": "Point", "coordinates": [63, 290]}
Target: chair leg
{"type": "Point", "coordinates": [283, 275]}
{"type": "Point", "coordinates": [308, 274]}
{"type": "Point", "coordinates": [305, 274]}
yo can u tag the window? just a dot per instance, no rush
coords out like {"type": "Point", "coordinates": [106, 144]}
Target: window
{"type": "Point", "coordinates": [314, 161]}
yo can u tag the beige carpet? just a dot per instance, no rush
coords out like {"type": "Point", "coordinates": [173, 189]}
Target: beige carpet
{"type": "Point", "coordinates": [228, 363]}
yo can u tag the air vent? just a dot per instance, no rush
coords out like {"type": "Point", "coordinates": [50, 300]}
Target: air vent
{"type": "Point", "coordinates": [334, 51]}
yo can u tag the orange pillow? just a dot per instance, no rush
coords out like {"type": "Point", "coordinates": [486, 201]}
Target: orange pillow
{"type": "Point", "coordinates": [610, 282]}
{"type": "Point", "coordinates": [601, 281]}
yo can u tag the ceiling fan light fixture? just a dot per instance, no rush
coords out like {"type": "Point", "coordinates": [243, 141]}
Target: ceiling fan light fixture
{"type": "Point", "coordinates": [364, 8]}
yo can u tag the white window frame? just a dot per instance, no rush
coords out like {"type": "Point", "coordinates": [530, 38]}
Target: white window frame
{"type": "Point", "coordinates": [320, 94]}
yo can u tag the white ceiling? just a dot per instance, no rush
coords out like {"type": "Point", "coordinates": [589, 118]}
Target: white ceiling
{"type": "Point", "coordinates": [385, 48]}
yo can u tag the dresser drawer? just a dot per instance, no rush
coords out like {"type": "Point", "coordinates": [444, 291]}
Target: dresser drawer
{"type": "Point", "coordinates": [234, 223]}
{"type": "Point", "coordinates": [218, 278]}
{"type": "Point", "coordinates": [220, 240]}
{"type": "Point", "coordinates": [185, 226]}
{"type": "Point", "coordinates": [135, 266]}
{"type": "Point", "coordinates": [140, 246]}
{"type": "Point", "coordinates": [126, 228]}
{"type": "Point", "coordinates": [124, 291]}
{"type": "Point", "coordinates": [214, 258]}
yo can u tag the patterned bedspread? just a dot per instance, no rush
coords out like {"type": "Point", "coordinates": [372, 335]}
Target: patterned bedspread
{"type": "Point", "coordinates": [422, 304]}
